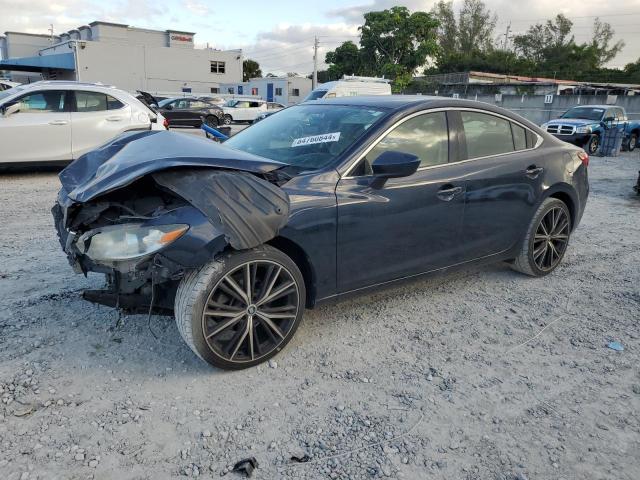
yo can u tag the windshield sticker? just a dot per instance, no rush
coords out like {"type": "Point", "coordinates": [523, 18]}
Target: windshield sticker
{"type": "Point", "coordinates": [324, 138]}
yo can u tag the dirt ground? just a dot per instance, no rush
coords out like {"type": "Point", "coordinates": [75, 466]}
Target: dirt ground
{"type": "Point", "coordinates": [482, 374]}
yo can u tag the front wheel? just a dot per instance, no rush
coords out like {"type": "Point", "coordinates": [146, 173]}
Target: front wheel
{"type": "Point", "coordinates": [242, 308]}
{"type": "Point", "coordinates": [633, 142]}
{"type": "Point", "coordinates": [212, 121]}
{"type": "Point", "coordinates": [227, 120]}
{"type": "Point", "coordinates": [547, 238]}
{"type": "Point", "coordinates": [592, 145]}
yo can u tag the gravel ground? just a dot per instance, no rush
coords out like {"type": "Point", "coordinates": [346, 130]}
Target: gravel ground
{"type": "Point", "coordinates": [481, 374]}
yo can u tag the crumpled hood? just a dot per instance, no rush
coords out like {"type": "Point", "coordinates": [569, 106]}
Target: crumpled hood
{"type": "Point", "coordinates": [136, 154]}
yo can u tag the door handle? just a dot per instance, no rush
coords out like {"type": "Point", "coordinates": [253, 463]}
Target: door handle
{"type": "Point", "coordinates": [114, 119]}
{"type": "Point", "coordinates": [533, 171]}
{"type": "Point", "coordinates": [58, 122]}
{"type": "Point", "coordinates": [447, 193]}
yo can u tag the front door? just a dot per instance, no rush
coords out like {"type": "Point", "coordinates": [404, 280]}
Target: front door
{"type": "Point", "coordinates": [269, 92]}
{"type": "Point", "coordinates": [40, 131]}
{"type": "Point", "coordinates": [405, 226]}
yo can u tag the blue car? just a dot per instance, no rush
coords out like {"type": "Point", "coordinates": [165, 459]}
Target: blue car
{"type": "Point", "coordinates": [325, 200]}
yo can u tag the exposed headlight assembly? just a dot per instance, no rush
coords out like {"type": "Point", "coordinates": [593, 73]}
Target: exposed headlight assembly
{"type": "Point", "coordinates": [128, 241]}
{"type": "Point", "coordinates": [586, 129]}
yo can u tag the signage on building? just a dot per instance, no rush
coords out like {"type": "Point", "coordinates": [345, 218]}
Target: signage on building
{"type": "Point", "coordinates": [181, 38]}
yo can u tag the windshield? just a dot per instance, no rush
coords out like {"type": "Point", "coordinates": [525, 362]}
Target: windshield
{"type": "Point", "coordinates": [315, 95]}
{"type": "Point", "coordinates": [307, 136]}
{"type": "Point", "coordinates": [6, 93]}
{"type": "Point", "coordinates": [585, 113]}
{"type": "Point", "coordinates": [231, 103]}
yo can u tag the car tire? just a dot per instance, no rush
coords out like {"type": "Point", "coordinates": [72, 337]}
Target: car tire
{"type": "Point", "coordinates": [633, 142]}
{"type": "Point", "coordinates": [227, 119]}
{"type": "Point", "coordinates": [592, 145]}
{"type": "Point", "coordinates": [212, 121]}
{"type": "Point", "coordinates": [214, 286]}
{"type": "Point", "coordinates": [546, 240]}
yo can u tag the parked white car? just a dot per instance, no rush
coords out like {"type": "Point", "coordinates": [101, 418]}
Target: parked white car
{"type": "Point", "coordinates": [241, 110]}
{"type": "Point", "coordinates": [55, 122]}
{"type": "Point", "coordinates": [350, 86]}
{"type": "Point", "coordinates": [6, 85]}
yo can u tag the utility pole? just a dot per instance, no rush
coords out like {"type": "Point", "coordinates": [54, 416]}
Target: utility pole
{"type": "Point", "coordinates": [506, 37]}
{"type": "Point", "coordinates": [314, 82]}
{"type": "Point", "coordinates": [51, 32]}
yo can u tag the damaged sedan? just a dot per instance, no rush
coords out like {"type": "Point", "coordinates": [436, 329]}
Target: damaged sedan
{"type": "Point", "coordinates": [326, 199]}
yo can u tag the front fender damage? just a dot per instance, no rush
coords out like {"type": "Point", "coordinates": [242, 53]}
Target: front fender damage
{"type": "Point", "coordinates": [231, 209]}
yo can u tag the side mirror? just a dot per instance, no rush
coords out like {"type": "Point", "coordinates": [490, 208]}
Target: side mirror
{"type": "Point", "coordinates": [608, 119]}
{"type": "Point", "coordinates": [393, 164]}
{"type": "Point", "coordinates": [10, 108]}
{"type": "Point", "coordinates": [169, 107]}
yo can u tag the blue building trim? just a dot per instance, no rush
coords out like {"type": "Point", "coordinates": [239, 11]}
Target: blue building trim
{"type": "Point", "coordinates": [58, 61]}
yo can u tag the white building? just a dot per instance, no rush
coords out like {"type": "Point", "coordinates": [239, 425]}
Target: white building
{"type": "Point", "coordinates": [129, 58]}
{"type": "Point", "coordinates": [284, 90]}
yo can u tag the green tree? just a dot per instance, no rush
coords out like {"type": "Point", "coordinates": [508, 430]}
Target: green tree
{"type": "Point", "coordinates": [475, 27]}
{"type": "Point", "coordinates": [250, 69]}
{"type": "Point", "coordinates": [393, 43]}
{"type": "Point", "coordinates": [601, 42]}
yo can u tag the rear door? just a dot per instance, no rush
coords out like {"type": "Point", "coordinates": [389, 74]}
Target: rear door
{"type": "Point", "coordinates": [96, 119]}
{"type": "Point", "coordinates": [40, 131]}
{"type": "Point", "coordinates": [504, 176]}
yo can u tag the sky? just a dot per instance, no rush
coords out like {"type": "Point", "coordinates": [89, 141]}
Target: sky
{"type": "Point", "coordinates": [279, 34]}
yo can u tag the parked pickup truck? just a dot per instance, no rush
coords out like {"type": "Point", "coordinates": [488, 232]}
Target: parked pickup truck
{"type": "Point", "coordinates": [585, 125]}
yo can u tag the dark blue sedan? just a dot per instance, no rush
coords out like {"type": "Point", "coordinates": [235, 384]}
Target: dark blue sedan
{"type": "Point", "coordinates": [324, 200]}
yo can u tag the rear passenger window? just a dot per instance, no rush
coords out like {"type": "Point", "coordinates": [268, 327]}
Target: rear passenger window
{"type": "Point", "coordinates": [425, 136]}
{"type": "Point", "coordinates": [91, 102]}
{"type": "Point", "coordinates": [113, 103]}
{"type": "Point", "coordinates": [486, 134]}
{"type": "Point", "coordinates": [519, 137]}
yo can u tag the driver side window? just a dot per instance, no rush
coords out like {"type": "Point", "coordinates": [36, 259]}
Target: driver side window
{"type": "Point", "coordinates": [426, 136]}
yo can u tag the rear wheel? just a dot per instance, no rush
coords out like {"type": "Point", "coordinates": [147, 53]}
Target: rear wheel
{"type": "Point", "coordinates": [242, 308]}
{"type": "Point", "coordinates": [228, 119]}
{"type": "Point", "coordinates": [546, 241]}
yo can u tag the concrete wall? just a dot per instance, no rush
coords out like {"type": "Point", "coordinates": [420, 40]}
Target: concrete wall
{"type": "Point", "coordinates": [533, 108]}
{"type": "Point", "coordinates": [140, 67]}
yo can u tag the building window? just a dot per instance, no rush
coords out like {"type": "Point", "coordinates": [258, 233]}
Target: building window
{"type": "Point", "coordinates": [215, 90]}
{"type": "Point", "coordinates": [230, 90]}
{"type": "Point", "coordinates": [217, 67]}
{"type": "Point", "coordinates": [279, 92]}
{"type": "Point", "coordinates": [295, 92]}
{"type": "Point", "coordinates": [186, 89]}
{"type": "Point", "coordinates": [254, 91]}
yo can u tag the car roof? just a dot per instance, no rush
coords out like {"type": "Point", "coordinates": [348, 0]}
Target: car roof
{"type": "Point", "coordinates": [597, 106]}
{"type": "Point", "coordinates": [410, 103]}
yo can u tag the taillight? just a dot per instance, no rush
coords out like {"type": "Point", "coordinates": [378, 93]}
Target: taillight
{"type": "Point", "coordinates": [166, 125]}
{"type": "Point", "coordinates": [584, 157]}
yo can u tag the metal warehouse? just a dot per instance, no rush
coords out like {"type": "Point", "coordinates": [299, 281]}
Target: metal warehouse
{"type": "Point", "coordinates": [129, 58]}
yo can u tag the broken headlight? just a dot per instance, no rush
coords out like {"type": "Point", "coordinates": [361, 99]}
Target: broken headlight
{"type": "Point", "coordinates": [125, 242]}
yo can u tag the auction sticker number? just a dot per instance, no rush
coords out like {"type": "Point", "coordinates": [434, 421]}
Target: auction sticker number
{"type": "Point", "coordinates": [324, 138]}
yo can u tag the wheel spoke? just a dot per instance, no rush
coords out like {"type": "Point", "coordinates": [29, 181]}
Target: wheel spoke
{"type": "Point", "coordinates": [544, 228]}
{"type": "Point", "coordinates": [247, 282]}
{"type": "Point", "coordinates": [240, 341]}
{"type": "Point", "coordinates": [267, 321]}
{"type": "Point", "coordinates": [277, 294]}
{"type": "Point", "coordinates": [269, 286]}
{"type": "Point", "coordinates": [232, 293]}
{"type": "Point", "coordinates": [224, 325]}
{"type": "Point", "coordinates": [234, 285]}
{"type": "Point", "coordinates": [273, 316]}
{"type": "Point", "coordinates": [221, 313]}
{"type": "Point", "coordinates": [250, 332]}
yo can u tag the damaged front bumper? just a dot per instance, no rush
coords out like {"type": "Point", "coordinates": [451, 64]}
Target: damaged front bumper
{"type": "Point", "coordinates": [218, 209]}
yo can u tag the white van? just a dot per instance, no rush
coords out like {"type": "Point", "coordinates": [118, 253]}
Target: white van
{"type": "Point", "coordinates": [351, 87]}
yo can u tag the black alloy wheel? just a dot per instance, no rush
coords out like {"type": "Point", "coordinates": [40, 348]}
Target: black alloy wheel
{"type": "Point", "coordinates": [242, 308]}
{"type": "Point", "coordinates": [633, 142]}
{"type": "Point", "coordinates": [546, 240]}
{"type": "Point", "coordinates": [250, 311]}
{"type": "Point", "coordinates": [551, 239]}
